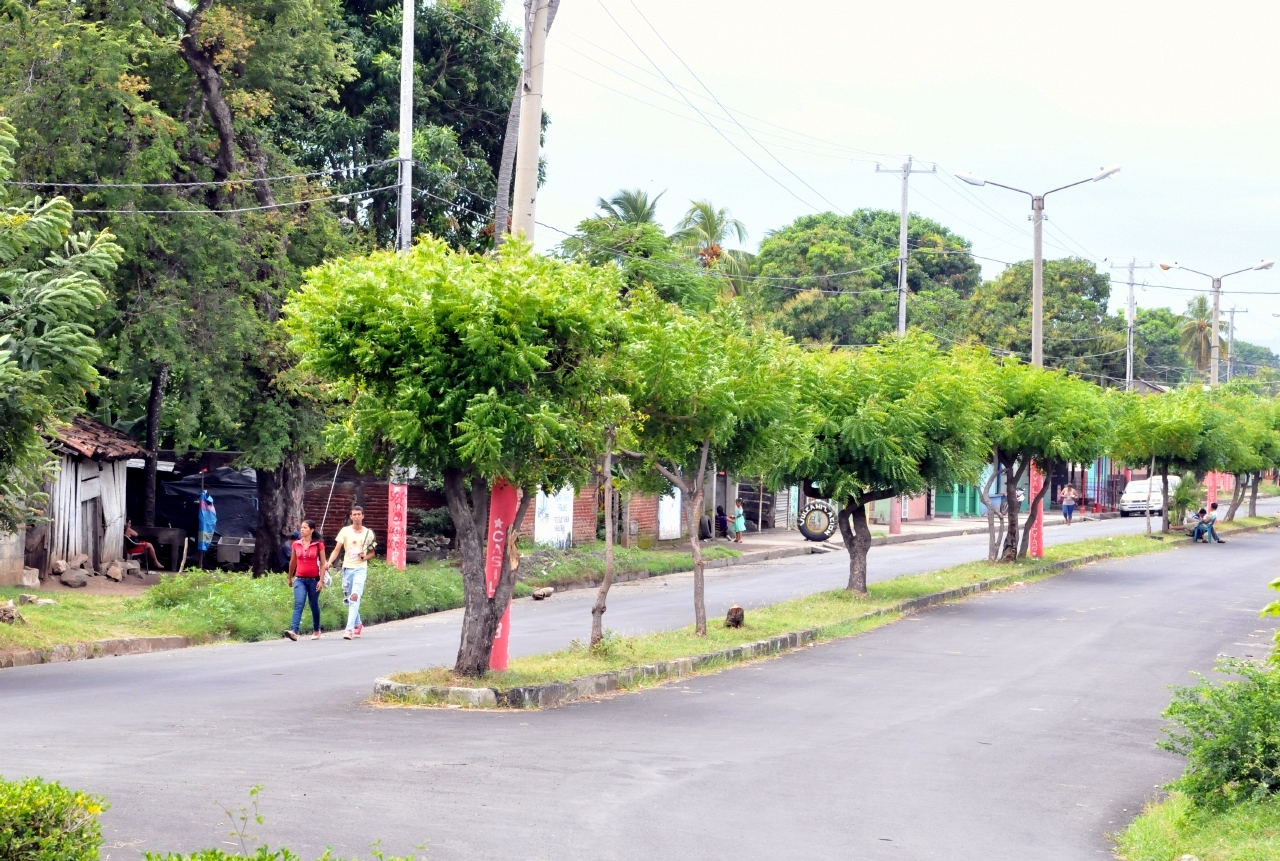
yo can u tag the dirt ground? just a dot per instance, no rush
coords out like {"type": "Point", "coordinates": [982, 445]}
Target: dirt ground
{"type": "Point", "coordinates": [98, 585]}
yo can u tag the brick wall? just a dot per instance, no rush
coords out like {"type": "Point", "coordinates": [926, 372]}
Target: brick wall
{"type": "Point", "coordinates": [585, 514]}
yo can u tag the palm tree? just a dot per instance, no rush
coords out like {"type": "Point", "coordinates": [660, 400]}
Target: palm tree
{"type": "Point", "coordinates": [1196, 333]}
{"type": "Point", "coordinates": [631, 207]}
{"type": "Point", "coordinates": [704, 230]}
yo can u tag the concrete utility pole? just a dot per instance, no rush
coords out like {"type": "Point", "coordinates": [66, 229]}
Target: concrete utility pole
{"type": "Point", "coordinates": [1231, 338]}
{"type": "Point", "coordinates": [528, 148]}
{"type": "Point", "coordinates": [1215, 352]}
{"type": "Point", "coordinates": [1130, 316]}
{"type": "Point", "coordinates": [1037, 255]}
{"type": "Point", "coordinates": [906, 170]}
{"type": "Point", "coordinates": [404, 233]}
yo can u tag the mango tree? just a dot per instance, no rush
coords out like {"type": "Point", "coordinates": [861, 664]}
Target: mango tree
{"type": "Point", "coordinates": [471, 368]}
{"type": "Point", "coordinates": [706, 387]}
{"type": "Point", "coordinates": [889, 421]}
{"type": "Point", "coordinates": [1044, 418]}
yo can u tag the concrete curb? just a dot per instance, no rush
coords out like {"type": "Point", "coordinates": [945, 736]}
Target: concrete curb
{"type": "Point", "coordinates": [98, 649]}
{"type": "Point", "coordinates": [556, 694]}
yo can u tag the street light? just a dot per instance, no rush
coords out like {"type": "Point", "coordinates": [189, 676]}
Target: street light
{"type": "Point", "coordinates": [1037, 271]}
{"type": "Point", "coordinates": [1214, 350]}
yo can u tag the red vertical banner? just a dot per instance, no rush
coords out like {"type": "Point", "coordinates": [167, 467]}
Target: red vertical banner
{"type": "Point", "coordinates": [1212, 484]}
{"type": "Point", "coordinates": [397, 523]}
{"type": "Point", "coordinates": [502, 513]}
{"type": "Point", "coordinates": [1035, 547]}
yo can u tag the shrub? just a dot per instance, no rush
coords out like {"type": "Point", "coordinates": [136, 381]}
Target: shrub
{"type": "Point", "coordinates": [431, 522]}
{"type": "Point", "coordinates": [1230, 735]}
{"type": "Point", "coordinates": [47, 822]}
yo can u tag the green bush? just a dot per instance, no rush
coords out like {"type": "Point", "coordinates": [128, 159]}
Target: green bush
{"type": "Point", "coordinates": [248, 608]}
{"type": "Point", "coordinates": [1230, 735]}
{"type": "Point", "coordinates": [47, 822]}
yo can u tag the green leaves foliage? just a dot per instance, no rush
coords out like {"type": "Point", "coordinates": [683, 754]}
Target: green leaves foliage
{"type": "Point", "coordinates": [1049, 416]}
{"type": "Point", "coordinates": [894, 419]}
{"type": "Point", "coordinates": [490, 364]}
{"type": "Point", "coordinates": [42, 821]}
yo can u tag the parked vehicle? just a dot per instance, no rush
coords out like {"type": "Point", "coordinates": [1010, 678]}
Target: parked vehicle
{"type": "Point", "coordinates": [1135, 499]}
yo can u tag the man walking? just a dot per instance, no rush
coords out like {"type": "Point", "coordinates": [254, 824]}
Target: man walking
{"type": "Point", "coordinates": [356, 544]}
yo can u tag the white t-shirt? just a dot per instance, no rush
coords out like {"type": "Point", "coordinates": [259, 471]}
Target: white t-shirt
{"type": "Point", "coordinates": [353, 544]}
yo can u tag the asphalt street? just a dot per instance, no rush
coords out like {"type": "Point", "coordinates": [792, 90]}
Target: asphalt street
{"type": "Point", "coordinates": [1014, 725]}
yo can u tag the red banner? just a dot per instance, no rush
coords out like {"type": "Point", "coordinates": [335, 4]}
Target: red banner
{"type": "Point", "coordinates": [501, 642]}
{"type": "Point", "coordinates": [1211, 484]}
{"type": "Point", "coordinates": [502, 511]}
{"type": "Point", "coordinates": [1035, 547]}
{"type": "Point", "coordinates": [397, 522]}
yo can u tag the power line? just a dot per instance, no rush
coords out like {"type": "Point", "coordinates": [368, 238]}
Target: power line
{"type": "Point", "coordinates": [231, 211]}
{"type": "Point", "coordinates": [203, 184]}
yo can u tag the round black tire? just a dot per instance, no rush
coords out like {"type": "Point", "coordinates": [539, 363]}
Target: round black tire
{"type": "Point", "coordinates": [817, 521]}
{"type": "Point", "coordinates": [1124, 514]}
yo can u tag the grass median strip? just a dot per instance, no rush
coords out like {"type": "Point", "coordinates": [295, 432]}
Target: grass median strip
{"type": "Point", "coordinates": [830, 615]}
{"type": "Point", "coordinates": [1175, 828]}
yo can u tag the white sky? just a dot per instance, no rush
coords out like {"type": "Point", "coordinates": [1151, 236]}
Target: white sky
{"type": "Point", "coordinates": [1182, 95]}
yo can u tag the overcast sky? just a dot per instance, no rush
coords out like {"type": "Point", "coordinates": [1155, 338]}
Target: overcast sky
{"type": "Point", "coordinates": [1182, 95]}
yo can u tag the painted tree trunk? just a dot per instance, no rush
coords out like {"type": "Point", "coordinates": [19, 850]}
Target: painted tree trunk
{"type": "Point", "coordinates": [155, 404]}
{"type": "Point", "coordinates": [598, 611]}
{"type": "Point", "coordinates": [852, 520]}
{"type": "Point", "coordinates": [1036, 510]}
{"type": "Point", "coordinates": [482, 614]}
{"type": "Point", "coordinates": [280, 493]}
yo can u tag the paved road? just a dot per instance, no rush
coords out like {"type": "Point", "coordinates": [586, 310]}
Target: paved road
{"type": "Point", "coordinates": [1011, 726]}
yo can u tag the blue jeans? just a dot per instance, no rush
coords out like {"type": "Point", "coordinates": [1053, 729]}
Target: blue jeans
{"type": "Point", "coordinates": [305, 591]}
{"type": "Point", "coordinates": [1199, 531]}
{"type": "Point", "coordinates": [353, 583]}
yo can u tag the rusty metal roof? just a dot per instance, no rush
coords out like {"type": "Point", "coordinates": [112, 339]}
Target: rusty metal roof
{"type": "Point", "coordinates": [86, 437]}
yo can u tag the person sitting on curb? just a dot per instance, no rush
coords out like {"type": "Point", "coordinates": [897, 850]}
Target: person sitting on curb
{"type": "Point", "coordinates": [1201, 528]}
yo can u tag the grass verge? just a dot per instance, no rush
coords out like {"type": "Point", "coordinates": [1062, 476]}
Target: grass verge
{"type": "Point", "coordinates": [584, 564]}
{"type": "Point", "coordinates": [838, 613]}
{"type": "Point", "coordinates": [1175, 828]}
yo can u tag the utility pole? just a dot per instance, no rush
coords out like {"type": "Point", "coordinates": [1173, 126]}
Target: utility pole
{"type": "Point", "coordinates": [1231, 338]}
{"type": "Point", "coordinates": [906, 170]}
{"type": "Point", "coordinates": [528, 147]}
{"type": "Point", "coordinates": [1214, 350]}
{"type": "Point", "coordinates": [404, 233]}
{"type": "Point", "coordinates": [1130, 316]}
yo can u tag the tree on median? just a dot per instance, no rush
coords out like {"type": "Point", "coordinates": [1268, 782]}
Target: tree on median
{"type": "Point", "coordinates": [1162, 432]}
{"type": "Point", "coordinates": [706, 387]}
{"type": "Point", "coordinates": [887, 421]}
{"type": "Point", "coordinates": [1042, 417]}
{"type": "Point", "coordinates": [472, 368]}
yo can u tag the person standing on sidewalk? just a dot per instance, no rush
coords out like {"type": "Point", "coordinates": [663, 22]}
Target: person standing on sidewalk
{"type": "Point", "coordinates": [307, 566]}
{"type": "Point", "coordinates": [356, 544]}
{"type": "Point", "coordinates": [739, 521]}
{"type": "Point", "coordinates": [1068, 497]}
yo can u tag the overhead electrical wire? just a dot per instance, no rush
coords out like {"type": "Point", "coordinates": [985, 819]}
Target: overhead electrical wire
{"type": "Point", "coordinates": [201, 184]}
{"type": "Point", "coordinates": [236, 210]}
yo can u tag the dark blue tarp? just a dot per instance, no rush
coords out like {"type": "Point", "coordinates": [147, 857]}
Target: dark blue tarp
{"type": "Point", "coordinates": [234, 493]}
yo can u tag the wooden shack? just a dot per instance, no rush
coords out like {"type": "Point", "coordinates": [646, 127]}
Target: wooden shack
{"type": "Point", "coordinates": [86, 507]}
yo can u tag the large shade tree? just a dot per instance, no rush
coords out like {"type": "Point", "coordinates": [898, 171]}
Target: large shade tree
{"type": "Point", "coordinates": [887, 421]}
{"type": "Point", "coordinates": [475, 369]}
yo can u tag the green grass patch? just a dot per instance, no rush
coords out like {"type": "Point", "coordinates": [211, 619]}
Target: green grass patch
{"type": "Point", "coordinates": [213, 603]}
{"type": "Point", "coordinates": [837, 612]}
{"type": "Point", "coordinates": [577, 566]}
{"type": "Point", "coordinates": [1170, 829]}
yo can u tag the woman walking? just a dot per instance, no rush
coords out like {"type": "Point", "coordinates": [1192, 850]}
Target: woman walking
{"type": "Point", "coordinates": [1068, 496]}
{"type": "Point", "coordinates": [739, 521]}
{"type": "Point", "coordinates": [307, 566]}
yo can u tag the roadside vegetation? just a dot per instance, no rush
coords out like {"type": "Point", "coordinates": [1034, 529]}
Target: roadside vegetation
{"type": "Point", "coordinates": [1226, 804]}
{"type": "Point", "coordinates": [584, 565]}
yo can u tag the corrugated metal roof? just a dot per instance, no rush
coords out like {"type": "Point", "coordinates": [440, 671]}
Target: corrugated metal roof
{"type": "Point", "coordinates": [92, 439]}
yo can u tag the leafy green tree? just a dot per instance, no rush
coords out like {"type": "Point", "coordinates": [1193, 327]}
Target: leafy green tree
{"type": "Point", "coordinates": [832, 279]}
{"type": "Point", "coordinates": [1196, 334]}
{"type": "Point", "coordinates": [707, 388]}
{"type": "Point", "coordinates": [1079, 335]}
{"type": "Point", "coordinates": [1158, 355]}
{"type": "Point", "coordinates": [50, 287]}
{"type": "Point", "coordinates": [1251, 360]}
{"type": "Point", "coordinates": [704, 230]}
{"type": "Point", "coordinates": [1043, 418]}
{"type": "Point", "coordinates": [471, 368]}
{"type": "Point", "coordinates": [887, 421]}
{"type": "Point", "coordinates": [631, 207]}
{"type": "Point", "coordinates": [646, 256]}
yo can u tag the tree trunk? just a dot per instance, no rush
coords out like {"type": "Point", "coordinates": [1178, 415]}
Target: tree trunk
{"type": "Point", "coordinates": [1009, 553]}
{"type": "Point", "coordinates": [994, 537]}
{"type": "Point", "coordinates": [1237, 496]}
{"type": "Point", "coordinates": [852, 520]}
{"type": "Point", "coordinates": [598, 611]}
{"type": "Point", "coordinates": [280, 493]}
{"type": "Point", "coordinates": [155, 404]}
{"type": "Point", "coordinates": [1151, 476]}
{"type": "Point", "coordinates": [693, 505]}
{"type": "Point", "coordinates": [1037, 510]}
{"type": "Point", "coordinates": [470, 514]}
{"type": "Point", "coordinates": [1253, 494]}
{"type": "Point", "coordinates": [1164, 488]}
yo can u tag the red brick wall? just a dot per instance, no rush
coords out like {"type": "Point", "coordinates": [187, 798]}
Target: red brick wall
{"type": "Point", "coordinates": [584, 514]}
{"type": "Point", "coordinates": [644, 511]}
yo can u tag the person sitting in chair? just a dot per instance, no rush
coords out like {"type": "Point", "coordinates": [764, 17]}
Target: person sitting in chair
{"type": "Point", "coordinates": [135, 547]}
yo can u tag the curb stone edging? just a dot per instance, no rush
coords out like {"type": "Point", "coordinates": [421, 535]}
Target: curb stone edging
{"type": "Point", "coordinates": [554, 694]}
{"type": "Point", "coordinates": [99, 649]}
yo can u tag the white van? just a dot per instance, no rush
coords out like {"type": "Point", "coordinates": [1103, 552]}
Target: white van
{"type": "Point", "coordinates": [1134, 498]}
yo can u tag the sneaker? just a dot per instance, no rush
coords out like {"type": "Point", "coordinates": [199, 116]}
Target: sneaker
{"type": "Point", "coordinates": [359, 629]}
{"type": "Point", "coordinates": [348, 634]}
{"type": "Point", "coordinates": [316, 635]}
{"type": "Point", "coordinates": [292, 635]}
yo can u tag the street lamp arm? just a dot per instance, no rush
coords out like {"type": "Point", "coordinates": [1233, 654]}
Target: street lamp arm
{"type": "Point", "coordinates": [1011, 188]}
{"type": "Point", "coordinates": [1194, 271]}
{"type": "Point", "coordinates": [1237, 272]}
{"type": "Point", "coordinates": [1063, 187]}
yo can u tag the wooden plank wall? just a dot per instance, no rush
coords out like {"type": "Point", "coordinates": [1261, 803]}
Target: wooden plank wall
{"type": "Point", "coordinates": [113, 477]}
{"type": "Point", "coordinates": [64, 510]}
